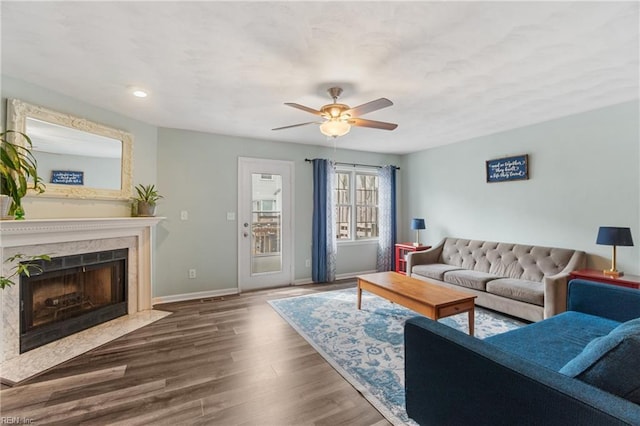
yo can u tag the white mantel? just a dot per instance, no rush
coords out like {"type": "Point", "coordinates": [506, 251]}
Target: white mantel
{"type": "Point", "coordinates": [38, 232]}
{"type": "Point", "coordinates": [14, 233]}
{"type": "Point", "coordinates": [61, 237]}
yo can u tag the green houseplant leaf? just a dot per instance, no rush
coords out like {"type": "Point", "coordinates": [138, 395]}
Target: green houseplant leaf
{"type": "Point", "coordinates": [26, 267]}
{"type": "Point", "coordinates": [145, 203]}
{"type": "Point", "coordinates": [147, 193]}
{"type": "Point", "coordinates": [18, 168]}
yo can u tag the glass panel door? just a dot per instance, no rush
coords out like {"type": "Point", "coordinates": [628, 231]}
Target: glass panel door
{"type": "Point", "coordinates": [265, 223]}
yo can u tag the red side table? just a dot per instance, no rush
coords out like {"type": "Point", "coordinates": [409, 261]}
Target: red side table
{"type": "Point", "coordinates": [625, 280]}
{"type": "Point", "coordinates": [402, 249]}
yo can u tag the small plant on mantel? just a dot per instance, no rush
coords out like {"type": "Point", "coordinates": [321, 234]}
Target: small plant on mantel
{"type": "Point", "coordinates": [18, 171]}
{"type": "Point", "coordinates": [24, 266]}
{"type": "Point", "coordinates": [145, 203]}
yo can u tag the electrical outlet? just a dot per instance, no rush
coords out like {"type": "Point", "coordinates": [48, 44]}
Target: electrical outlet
{"type": "Point", "coordinates": [192, 273]}
{"type": "Point", "coordinates": [307, 263]}
{"type": "Point", "coordinates": [184, 215]}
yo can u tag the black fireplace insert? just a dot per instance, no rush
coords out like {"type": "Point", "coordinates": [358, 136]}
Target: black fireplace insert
{"type": "Point", "coordinates": [70, 294]}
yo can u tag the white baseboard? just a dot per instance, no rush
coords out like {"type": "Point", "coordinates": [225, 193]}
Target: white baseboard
{"type": "Point", "coordinates": [353, 274]}
{"type": "Point", "coordinates": [345, 276]}
{"type": "Point", "coordinates": [232, 291]}
{"type": "Point", "coordinates": [193, 296]}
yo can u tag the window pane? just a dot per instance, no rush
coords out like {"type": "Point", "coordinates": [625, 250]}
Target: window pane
{"type": "Point", "coordinates": [367, 190]}
{"type": "Point", "coordinates": [366, 222]}
{"type": "Point", "coordinates": [366, 206]}
{"type": "Point", "coordinates": [343, 188]}
{"type": "Point", "coordinates": [266, 223]}
{"type": "Point", "coordinates": [343, 222]}
{"type": "Point", "coordinates": [343, 206]}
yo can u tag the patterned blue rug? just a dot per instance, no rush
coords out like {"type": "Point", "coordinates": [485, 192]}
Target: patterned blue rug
{"type": "Point", "coordinates": [367, 346]}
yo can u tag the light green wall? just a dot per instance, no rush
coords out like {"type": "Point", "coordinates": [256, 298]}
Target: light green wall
{"type": "Point", "coordinates": [198, 172]}
{"type": "Point", "coordinates": [584, 173]}
{"type": "Point", "coordinates": [144, 150]}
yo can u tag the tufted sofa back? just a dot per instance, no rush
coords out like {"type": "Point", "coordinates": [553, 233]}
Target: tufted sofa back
{"type": "Point", "coordinates": [505, 259]}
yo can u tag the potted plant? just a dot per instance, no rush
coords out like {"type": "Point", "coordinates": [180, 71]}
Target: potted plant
{"type": "Point", "coordinates": [18, 172]}
{"type": "Point", "coordinates": [24, 267]}
{"type": "Point", "coordinates": [145, 203]}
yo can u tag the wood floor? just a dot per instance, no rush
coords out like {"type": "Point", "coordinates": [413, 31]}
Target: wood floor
{"type": "Point", "coordinates": [233, 361]}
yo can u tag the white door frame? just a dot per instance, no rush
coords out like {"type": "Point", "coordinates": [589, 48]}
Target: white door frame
{"type": "Point", "coordinates": [246, 166]}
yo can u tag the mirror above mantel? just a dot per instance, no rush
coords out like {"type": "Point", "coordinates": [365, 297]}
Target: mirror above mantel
{"type": "Point", "coordinates": [77, 158]}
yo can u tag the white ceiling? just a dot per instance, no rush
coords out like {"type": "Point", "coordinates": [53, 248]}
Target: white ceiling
{"type": "Point", "coordinates": [454, 70]}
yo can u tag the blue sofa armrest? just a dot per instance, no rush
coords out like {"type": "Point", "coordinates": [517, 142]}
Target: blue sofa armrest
{"type": "Point", "coordinates": [603, 300]}
{"type": "Point", "coordinates": [452, 378]}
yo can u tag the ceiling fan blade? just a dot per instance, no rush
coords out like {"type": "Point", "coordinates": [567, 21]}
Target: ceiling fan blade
{"type": "Point", "coordinates": [369, 107]}
{"type": "Point", "coordinates": [296, 125]}
{"type": "Point", "coordinates": [304, 108]}
{"type": "Point", "coordinates": [361, 122]}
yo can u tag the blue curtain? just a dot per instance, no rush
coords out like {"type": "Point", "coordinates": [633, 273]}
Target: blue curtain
{"type": "Point", "coordinates": [323, 241]}
{"type": "Point", "coordinates": [386, 218]}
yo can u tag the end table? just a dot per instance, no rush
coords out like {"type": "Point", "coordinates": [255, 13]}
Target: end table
{"type": "Point", "coordinates": [625, 280]}
{"type": "Point", "coordinates": [402, 249]}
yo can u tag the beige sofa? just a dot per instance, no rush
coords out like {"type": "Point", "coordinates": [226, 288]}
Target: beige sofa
{"type": "Point", "coordinates": [528, 282]}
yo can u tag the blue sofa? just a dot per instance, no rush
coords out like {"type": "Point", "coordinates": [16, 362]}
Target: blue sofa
{"type": "Point", "coordinates": [514, 378]}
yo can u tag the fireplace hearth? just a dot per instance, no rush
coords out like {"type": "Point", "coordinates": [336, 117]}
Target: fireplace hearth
{"type": "Point", "coordinates": [70, 294]}
{"type": "Point", "coordinates": [73, 236]}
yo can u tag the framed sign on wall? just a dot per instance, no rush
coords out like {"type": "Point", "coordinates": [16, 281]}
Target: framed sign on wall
{"type": "Point", "coordinates": [67, 177]}
{"type": "Point", "coordinates": [508, 168]}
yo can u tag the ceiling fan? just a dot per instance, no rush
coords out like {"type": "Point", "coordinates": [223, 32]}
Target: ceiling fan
{"type": "Point", "coordinates": [338, 118]}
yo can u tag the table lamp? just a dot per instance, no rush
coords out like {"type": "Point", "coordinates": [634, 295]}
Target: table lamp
{"type": "Point", "coordinates": [417, 224]}
{"type": "Point", "coordinates": [613, 236]}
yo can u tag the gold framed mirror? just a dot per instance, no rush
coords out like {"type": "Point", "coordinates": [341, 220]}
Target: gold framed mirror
{"type": "Point", "coordinates": [77, 158]}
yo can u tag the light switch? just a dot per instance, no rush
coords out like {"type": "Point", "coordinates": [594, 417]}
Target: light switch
{"type": "Point", "coordinates": [231, 216]}
{"type": "Point", "coordinates": [184, 215]}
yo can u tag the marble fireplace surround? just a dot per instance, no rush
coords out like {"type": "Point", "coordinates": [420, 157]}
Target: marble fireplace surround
{"type": "Point", "coordinates": [61, 237]}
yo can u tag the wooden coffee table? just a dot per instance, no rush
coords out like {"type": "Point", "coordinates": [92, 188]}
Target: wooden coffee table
{"type": "Point", "coordinates": [426, 298]}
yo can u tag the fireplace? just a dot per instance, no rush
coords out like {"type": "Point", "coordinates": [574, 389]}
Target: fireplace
{"type": "Point", "coordinates": [70, 294]}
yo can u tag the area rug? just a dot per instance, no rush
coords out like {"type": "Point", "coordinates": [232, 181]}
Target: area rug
{"type": "Point", "coordinates": [367, 347]}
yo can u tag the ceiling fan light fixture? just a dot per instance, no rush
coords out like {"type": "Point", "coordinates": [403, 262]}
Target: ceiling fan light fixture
{"type": "Point", "coordinates": [335, 128]}
{"type": "Point", "coordinates": [337, 118]}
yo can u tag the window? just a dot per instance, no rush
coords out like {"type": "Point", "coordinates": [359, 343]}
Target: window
{"type": "Point", "coordinates": [266, 227]}
{"type": "Point", "coordinates": [356, 205]}
{"type": "Point", "coordinates": [264, 205]}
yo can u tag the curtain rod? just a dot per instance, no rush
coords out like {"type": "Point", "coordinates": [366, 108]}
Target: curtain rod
{"type": "Point", "coordinates": [308, 160]}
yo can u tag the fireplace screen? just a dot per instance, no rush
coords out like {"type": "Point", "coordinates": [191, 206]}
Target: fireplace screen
{"type": "Point", "coordinates": [71, 294]}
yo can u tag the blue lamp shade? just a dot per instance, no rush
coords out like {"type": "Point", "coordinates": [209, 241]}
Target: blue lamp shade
{"type": "Point", "coordinates": [613, 236]}
{"type": "Point", "coordinates": [418, 224]}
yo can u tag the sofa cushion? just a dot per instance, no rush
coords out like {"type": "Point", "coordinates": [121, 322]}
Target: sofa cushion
{"type": "Point", "coordinates": [433, 270]}
{"type": "Point", "coordinates": [470, 279]}
{"type": "Point", "coordinates": [467, 254]}
{"type": "Point", "coordinates": [522, 290]}
{"type": "Point", "coordinates": [507, 260]}
{"type": "Point", "coordinates": [555, 341]}
{"type": "Point", "coordinates": [610, 362]}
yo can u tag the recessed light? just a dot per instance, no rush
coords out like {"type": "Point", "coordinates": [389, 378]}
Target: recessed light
{"type": "Point", "coordinates": [139, 93]}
